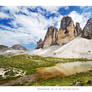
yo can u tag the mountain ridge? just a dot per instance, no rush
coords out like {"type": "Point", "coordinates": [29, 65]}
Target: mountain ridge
{"type": "Point", "coordinates": [14, 47]}
{"type": "Point", "coordinates": [67, 32]}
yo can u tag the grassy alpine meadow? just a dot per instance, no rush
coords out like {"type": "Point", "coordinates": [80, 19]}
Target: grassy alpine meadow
{"type": "Point", "coordinates": [29, 64]}
{"type": "Point", "coordinates": [80, 79]}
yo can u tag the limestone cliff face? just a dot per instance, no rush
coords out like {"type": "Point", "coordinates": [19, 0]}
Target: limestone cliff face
{"type": "Point", "coordinates": [87, 31]}
{"type": "Point", "coordinates": [51, 37]}
{"type": "Point", "coordinates": [67, 31]}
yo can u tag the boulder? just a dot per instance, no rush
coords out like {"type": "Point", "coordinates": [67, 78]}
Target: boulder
{"type": "Point", "coordinates": [66, 31]}
{"type": "Point", "coordinates": [88, 82]}
{"type": "Point", "coordinates": [51, 37]}
{"type": "Point", "coordinates": [87, 31]}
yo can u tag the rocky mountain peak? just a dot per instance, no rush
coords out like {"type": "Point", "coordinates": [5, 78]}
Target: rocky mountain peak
{"type": "Point", "coordinates": [18, 47]}
{"type": "Point", "coordinates": [14, 47]}
{"type": "Point", "coordinates": [39, 44]}
{"type": "Point", "coordinates": [78, 29]}
{"type": "Point", "coordinates": [65, 22]}
{"type": "Point", "coordinates": [87, 31]}
{"type": "Point", "coordinates": [66, 32]}
{"type": "Point", "coordinates": [50, 37]}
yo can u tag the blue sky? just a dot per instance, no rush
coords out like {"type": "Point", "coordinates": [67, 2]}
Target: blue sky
{"type": "Point", "coordinates": [27, 24]}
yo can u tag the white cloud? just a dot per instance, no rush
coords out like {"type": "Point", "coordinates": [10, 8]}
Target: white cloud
{"type": "Point", "coordinates": [66, 7]}
{"type": "Point", "coordinates": [51, 8]}
{"type": "Point", "coordinates": [81, 18]}
{"type": "Point", "coordinates": [34, 26]}
{"type": "Point", "coordinates": [3, 15]}
{"type": "Point", "coordinates": [10, 38]}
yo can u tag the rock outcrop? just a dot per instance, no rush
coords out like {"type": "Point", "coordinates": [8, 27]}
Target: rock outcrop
{"type": "Point", "coordinates": [78, 29]}
{"type": "Point", "coordinates": [17, 47]}
{"type": "Point", "coordinates": [51, 37]}
{"type": "Point", "coordinates": [87, 31]}
{"type": "Point", "coordinates": [66, 31]}
{"type": "Point", "coordinates": [39, 44]}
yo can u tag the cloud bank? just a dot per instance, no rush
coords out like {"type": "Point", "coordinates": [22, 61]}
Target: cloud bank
{"type": "Point", "coordinates": [25, 25]}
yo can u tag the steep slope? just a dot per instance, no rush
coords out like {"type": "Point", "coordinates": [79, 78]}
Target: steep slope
{"type": "Point", "coordinates": [77, 48]}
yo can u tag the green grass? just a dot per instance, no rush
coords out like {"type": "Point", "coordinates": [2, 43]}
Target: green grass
{"type": "Point", "coordinates": [66, 81]}
{"type": "Point", "coordinates": [29, 64]}
{"type": "Point", "coordinates": [5, 80]}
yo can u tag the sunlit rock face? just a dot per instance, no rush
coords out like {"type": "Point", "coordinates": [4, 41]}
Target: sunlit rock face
{"type": "Point", "coordinates": [67, 31]}
{"type": "Point", "coordinates": [87, 31]}
{"type": "Point", "coordinates": [51, 37]}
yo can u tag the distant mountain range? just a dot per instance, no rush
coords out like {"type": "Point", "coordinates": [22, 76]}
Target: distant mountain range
{"type": "Point", "coordinates": [14, 47]}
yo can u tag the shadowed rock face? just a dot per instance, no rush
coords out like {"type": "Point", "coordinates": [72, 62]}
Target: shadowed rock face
{"type": "Point", "coordinates": [66, 32]}
{"type": "Point", "coordinates": [51, 37]}
{"type": "Point", "coordinates": [65, 22]}
{"type": "Point", "coordinates": [78, 29]}
{"type": "Point", "coordinates": [87, 31]}
{"type": "Point", "coordinates": [39, 44]}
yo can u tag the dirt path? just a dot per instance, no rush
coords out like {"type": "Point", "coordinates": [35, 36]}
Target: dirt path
{"type": "Point", "coordinates": [22, 80]}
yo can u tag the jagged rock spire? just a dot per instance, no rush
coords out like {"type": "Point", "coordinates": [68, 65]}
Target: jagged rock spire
{"type": "Point", "coordinates": [87, 31]}
{"type": "Point", "coordinates": [66, 32]}
{"type": "Point", "coordinates": [51, 36]}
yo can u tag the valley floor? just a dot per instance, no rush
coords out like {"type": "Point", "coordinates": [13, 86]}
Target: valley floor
{"type": "Point", "coordinates": [45, 71]}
